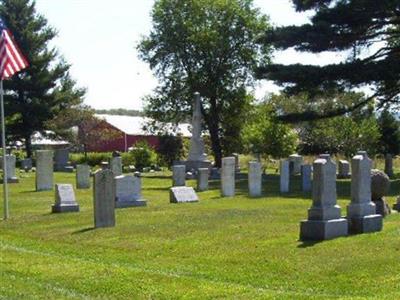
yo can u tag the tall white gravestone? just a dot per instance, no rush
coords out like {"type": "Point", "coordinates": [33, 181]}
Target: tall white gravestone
{"type": "Point", "coordinates": [324, 219]}
{"type": "Point", "coordinates": [116, 165]}
{"type": "Point", "coordinates": [83, 176]}
{"type": "Point", "coordinates": [44, 170]}
{"type": "Point", "coordinates": [10, 164]}
{"type": "Point", "coordinates": [128, 191]}
{"type": "Point", "coordinates": [255, 178]}
{"type": "Point", "coordinates": [64, 199]}
{"type": "Point", "coordinates": [202, 179]}
{"type": "Point", "coordinates": [284, 177]}
{"type": "Point", "coordinates": [104, 199]}
{"type": "Point", "coordinates": [228, 177]}
{"type": "Point", "coordinates": [178, 175]}
{"type": "Point", "coordinates": [362, 211]}
{"type": "Point", "coordinates": [295, 162]}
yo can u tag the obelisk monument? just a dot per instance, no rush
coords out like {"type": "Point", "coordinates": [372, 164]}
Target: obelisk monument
{"type": "Point", "coordinates": [197, 158]}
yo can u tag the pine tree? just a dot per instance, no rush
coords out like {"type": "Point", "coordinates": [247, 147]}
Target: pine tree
{"type": "Point", "coordinates": [45, 88]}
{"type": "Point", "coordinates": [367, 30]}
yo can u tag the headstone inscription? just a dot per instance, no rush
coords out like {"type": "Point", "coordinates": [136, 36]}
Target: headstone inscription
{"type": "Point", "coordinates": [182, 194]}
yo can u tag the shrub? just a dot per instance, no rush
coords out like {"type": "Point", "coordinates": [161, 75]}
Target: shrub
{"type": "Point", "coordinates": [92, 158]}
{"type": "Point", "coordinates": [143, 155]}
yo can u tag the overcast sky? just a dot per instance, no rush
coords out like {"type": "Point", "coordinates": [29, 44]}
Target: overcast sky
{"type": "Point", "coordinates": [98, 37]}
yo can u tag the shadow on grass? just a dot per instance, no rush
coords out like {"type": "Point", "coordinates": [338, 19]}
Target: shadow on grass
{"type": "Point", "coordinates": [307, 244]}
{"type": "Point", "coordinates": [84, 230]}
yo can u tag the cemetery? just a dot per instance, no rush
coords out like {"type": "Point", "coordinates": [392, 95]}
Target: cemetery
{"type": "Point", "coordinates": [205, 161]}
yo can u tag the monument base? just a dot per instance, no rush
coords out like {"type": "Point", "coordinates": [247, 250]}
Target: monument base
{"type": "Point", "coordinates": [133, 203]}
{"type": "Point", "coordinates": [64, 208]}
{"type": "Point", "coordinates": [343, 176]}
{"type": "Point", "coordinates": [194, 164]}
{"type": "Point", "coordinates": [12, 180]}
{"type": "Point", "coordinates": [65, 169]}
{"type": "Point", "coordinates": [323, 230]}
{"type": "Point", "coordinates": [370, 223]}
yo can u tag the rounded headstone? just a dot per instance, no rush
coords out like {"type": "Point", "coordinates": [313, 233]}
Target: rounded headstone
{"type": "Point", "coordinates": [380, 184]}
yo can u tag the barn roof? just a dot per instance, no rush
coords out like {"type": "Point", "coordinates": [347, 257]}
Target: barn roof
{"type": "Point", "coordinates": [134, 125]}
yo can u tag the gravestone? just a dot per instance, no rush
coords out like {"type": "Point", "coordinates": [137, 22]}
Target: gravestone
{"type": "Point", "coordinates": [255, 178]}
{"type": "Point", "coordinates": [396, 206]}
{"type": "Point", "coordinates": [44, 170]}
{"type": "Point", "coordinates": [295, 162]}
{"type": "Point", "coordinates": [380, 185]}
{"type": "Point", "coordinates": [197, 157]}
{"type": "Point", "coordinates": [228, 177]}
{"type": "Point", "coordinates": [344, 169]}
{"type": "Point", "coordinates": [116, 165]}
{"type": "Point", "coordinates": [26, 164]}
{"type": "Point", "coordinates": [237, 162]}
{"type": "Point", "coordinates": [215, 174]}
{"type": "Point", "coordinates": [361, 212]}
{"type": "Point", "coordinates": [104, 199]}
{"type": "Point", "coordinates": [324, 219]}
{"type": "Point", "coordinates": [128, 191]}
{"type": "Point", "coordinates": [284, 176]}
{"type": "Point", "coordinates": [61, 158]}
{"type": "Point", "coordinates": [104, 165]}
{"type": "Point", "coordinates": [182, 194]}
{"type": "Point", "coordinates": [202, 179]}
{"type": "Point", "coordinates": [83, 176]}
{"type": "Point", "coordinates": [178, 175]}
{"type": "Point", "coordinates": [10, 164]}
{"type": "Point", "coordinates": [389, 165]}
{"type": "Point", "coordinates": [65, 199]}
{"type": "Point", "coordinates": [306, 171]}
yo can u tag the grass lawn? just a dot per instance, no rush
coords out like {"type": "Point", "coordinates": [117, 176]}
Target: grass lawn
{"type": "Point", "coordinates": [237, 247]}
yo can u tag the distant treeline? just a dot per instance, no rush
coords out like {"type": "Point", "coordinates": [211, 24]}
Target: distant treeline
{"type": "Point", "coordinates": [120, 112]}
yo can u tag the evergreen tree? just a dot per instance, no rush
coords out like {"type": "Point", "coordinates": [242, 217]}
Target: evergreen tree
{"type": "Point", "coordinates": [367, 30]}
{"type": "Point", "coordinates": [390, 133]}
{"type": "Point", "coordinates": [45, 88]}
{"type": "Point", "coordinates": [205, 46]}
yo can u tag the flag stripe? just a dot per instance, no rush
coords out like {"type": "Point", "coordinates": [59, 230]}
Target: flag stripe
{"type": "Point", "coordinates": [11, 58]}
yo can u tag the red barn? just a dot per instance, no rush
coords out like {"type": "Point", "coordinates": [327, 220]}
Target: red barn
{"type": "Point", "coordinates": [131, 131]}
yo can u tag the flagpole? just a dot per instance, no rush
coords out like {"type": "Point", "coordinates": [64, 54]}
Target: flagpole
{"type": "Point", "coordinates": [3, 142]}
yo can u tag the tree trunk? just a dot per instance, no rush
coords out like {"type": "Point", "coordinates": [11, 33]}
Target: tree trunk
{"type": "Point", "coordinates": [215, 144]}
{"type": "Point", "coordinates": [28, 146]}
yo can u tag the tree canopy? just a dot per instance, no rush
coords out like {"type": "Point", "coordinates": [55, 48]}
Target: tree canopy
{"type": "Point", "coordinates": [205, 46]}
{"type": "Point", "coordinates": [38, 93]}
{"type": "Point", "coordinates": [366, 30]}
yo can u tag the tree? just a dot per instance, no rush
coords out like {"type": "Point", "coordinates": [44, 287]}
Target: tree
{"type": "Point", "coordinates": [204, 46]}
{"type": "Point", "coordinates": [262, 134]}
{"type": "Point", "coordinates": [390, 133]}
{"type": "Point", "coordinates": [45, 88]}
{"type": "Point", "coordinates": [368, 31]}
{"type": "Point", "coordinates": [170, 148]}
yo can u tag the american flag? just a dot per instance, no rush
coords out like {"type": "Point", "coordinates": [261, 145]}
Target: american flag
{"type": "Point", "coordinates": [11, 58]}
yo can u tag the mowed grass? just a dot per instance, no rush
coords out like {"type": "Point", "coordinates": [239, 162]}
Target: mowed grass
{"type": "Point", "coordinates": [239, 248]}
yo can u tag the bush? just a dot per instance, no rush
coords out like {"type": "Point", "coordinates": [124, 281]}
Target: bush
{"type": "Point", "coordinates": [92, 159]}
{"type": "Point", "coordinates": [143, 155]}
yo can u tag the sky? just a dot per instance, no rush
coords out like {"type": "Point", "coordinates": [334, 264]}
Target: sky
{"type": "Point", "coordinates": [99, 39]}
